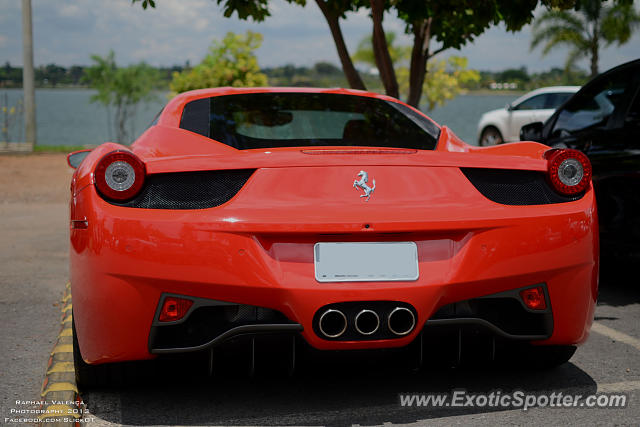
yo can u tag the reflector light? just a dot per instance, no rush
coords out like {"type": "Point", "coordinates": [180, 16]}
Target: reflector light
{"type": "Point", "coordinates": [174, 308]}
{"type": "Point", "coordinates": [120, 175]}
{"type": "Point", "coordinates": [569, 171]}
{"type": "Point", "coordinates": [534, 298]}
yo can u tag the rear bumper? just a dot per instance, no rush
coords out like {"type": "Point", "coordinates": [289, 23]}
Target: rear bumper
{"type": "Point", "coordinates": [126, 259]}
{"type": "Point", "coordinates": [209, 324]}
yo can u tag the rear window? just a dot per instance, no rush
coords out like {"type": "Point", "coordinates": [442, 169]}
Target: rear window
{"type": "Point", "coordinates": [271, 120]}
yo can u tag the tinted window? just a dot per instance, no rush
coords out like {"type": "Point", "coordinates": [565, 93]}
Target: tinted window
{"type": "Point", "coordinates": [633, 115]}
{"type": "Point", "coordinates": [593, 107]}
{"type": "Point", "coordinates": [554, 100]}
{"type": "Point", "coordinates": [269, 120]}
{"type": "Point", "coordinates": [195, 116]}
{"type": "Point", "coordinates": [534, 103]}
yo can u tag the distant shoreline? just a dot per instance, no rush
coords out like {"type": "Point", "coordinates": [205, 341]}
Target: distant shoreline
{"type": "Point", "coordinates": [514, 92]}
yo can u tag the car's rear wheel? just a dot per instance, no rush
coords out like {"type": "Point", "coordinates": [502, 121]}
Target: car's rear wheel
{"type": "Point", "coordinates": [91, 376]}
{"type": "Point", "coordinates": [490, 136]}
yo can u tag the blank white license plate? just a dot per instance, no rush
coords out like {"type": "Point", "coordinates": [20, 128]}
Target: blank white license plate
{"type": "Point", "coordinates": [365, 261]}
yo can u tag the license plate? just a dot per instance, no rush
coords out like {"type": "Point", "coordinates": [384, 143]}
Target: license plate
{"type": "Point", "coordinates": [365, 261]}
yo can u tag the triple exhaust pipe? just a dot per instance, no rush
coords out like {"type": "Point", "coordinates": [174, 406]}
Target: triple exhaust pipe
{"type": "Point", "coordinates": [333, 322]}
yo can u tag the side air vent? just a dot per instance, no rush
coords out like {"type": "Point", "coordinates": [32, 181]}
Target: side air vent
{"type": "Point", "coordinates": [515, 187]}
{"type": "Point", "coordinates": [189, 190]}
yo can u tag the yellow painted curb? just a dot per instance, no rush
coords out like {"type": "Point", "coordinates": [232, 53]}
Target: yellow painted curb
{"type": "Point", "coordinates": [64, 348]}
{"type": "Point", "coordinates": [55, 411]}
{"type": "Point", "coordinates": [60, 387]}
{"type": "Point", "coordinates": [61, 367]}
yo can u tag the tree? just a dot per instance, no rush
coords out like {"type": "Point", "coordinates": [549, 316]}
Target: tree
{"type": "Point", "coordinates": [445, 79]}
{"type": "Point", "coordinates": [511, 74]}
{"type": "Point", "coordinates": [451, 23]}
{"type": "Point", "coordinates": [584, 31]}
{"type": "Point", "coordinates": [333, 11]}
{"type": "Point", "coordinates": [121, 89]}
{"type": "Point", "coordinates": [230, 62]}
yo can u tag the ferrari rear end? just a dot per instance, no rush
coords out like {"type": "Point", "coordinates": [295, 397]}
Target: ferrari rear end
{"type": "Point", "coordinates": [345, 219]}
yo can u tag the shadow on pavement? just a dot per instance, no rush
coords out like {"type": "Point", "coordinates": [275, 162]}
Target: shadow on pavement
{"type": "Point", "coordinates": [345, 395]}
{"type": "Point", "coordinates": [619, 284]}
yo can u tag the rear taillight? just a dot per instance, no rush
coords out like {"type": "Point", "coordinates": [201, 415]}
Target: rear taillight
{"type": "Point", "coordinates": [534, 298]}
{"type": "Point", "coordinates": [174, 308]}
{"type": "Point", "coordinates": [569, 171]}
{"type": "Point", "coordinates": [120, 175]}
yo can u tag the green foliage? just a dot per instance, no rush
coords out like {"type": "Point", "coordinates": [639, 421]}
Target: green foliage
{"type": "Point", "coordinates": [10, 76]}
{"type": "Point", "coordinates": [50, 75]}
{"type": "Point", "coordinates": [146, 3]}
{"type": "Point", "coordinates": [321, 74]}
{"type": "Point", "coordinates": [452, 23]}
{"type": "Point", "coordinates": [455, 23]}
{"type": "Point", "coordinates": [60, 148]}
{"type": "Point", "coordinates": [584, 31]}
{"type": "Point", "coordinates": [527, 82]}
{"type": "Point", "coordinates": [514, 74]}
{"type": "Point", "coordinates": [445, 79]}
{"type": "Point", "coordinates": [54, 75]}
{"type": "Point", "coordinates": [364, 53]}
{"type": "Point", "coordinates": [257, 10]}
{"type": "Point", "coordinates": [230, 62]}
{"type": "Point", "coordinates": [121, 89]}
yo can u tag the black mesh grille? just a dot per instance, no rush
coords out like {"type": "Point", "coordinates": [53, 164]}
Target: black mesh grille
{"type": "Point", "coordinates": [506, 313]}
{"type": "Point", "coordinates": [206, 323]}
{"type": "Point", "coordinates": [515, 187]}
{"type": "Point", "coordinates": [189, 190]}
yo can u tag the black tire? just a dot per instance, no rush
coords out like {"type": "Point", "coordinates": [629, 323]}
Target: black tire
{"type": "Point", "coordinates": [94, 376]}
{"type": "Point", "coordinates": [490, 136]}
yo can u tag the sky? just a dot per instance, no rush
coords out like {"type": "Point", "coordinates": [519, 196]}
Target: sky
{"type": "Point", "coordinates": [68, 32]}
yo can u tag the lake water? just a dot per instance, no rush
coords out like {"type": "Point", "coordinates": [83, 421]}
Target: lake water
{"type": "Point", "coordinates": [67, 117]}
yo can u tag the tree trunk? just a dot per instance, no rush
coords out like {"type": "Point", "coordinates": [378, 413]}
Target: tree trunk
{"type": "Point", "coordinates": [350, 72]}
{"type": "Point", "coordinates": [419, 57]}
{"type": "Point", "coordinates": [595, 44]}
{"type": "Point", "coordinates": [594, 54]}
{"type": "Point", "coordinates": [381, 50]}
{"type": "Point", "coordinates": [594, 60]}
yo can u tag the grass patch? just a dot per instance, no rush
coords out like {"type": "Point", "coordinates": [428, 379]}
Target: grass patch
{"type": "Point", "coordinates": [58, 148]}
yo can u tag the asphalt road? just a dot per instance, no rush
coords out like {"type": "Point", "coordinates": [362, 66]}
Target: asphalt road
{"type": "Point", "coordinates": [33, 270]}
{"type": "Point", "coordinates": [33, 256]}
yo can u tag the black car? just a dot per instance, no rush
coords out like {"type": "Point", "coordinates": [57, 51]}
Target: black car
{"type": "Point", "coordinates": [603, 121]}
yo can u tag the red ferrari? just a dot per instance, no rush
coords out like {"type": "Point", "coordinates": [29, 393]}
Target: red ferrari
{"type": "Point", "coordinates": [345, 219]}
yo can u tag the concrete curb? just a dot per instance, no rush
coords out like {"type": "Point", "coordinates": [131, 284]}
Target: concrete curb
{"type": "Point", "coordinates": [62, 405]}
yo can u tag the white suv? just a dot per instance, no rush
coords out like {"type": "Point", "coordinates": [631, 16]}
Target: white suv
{"type": "Point", "coordinates": [503, 125]}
